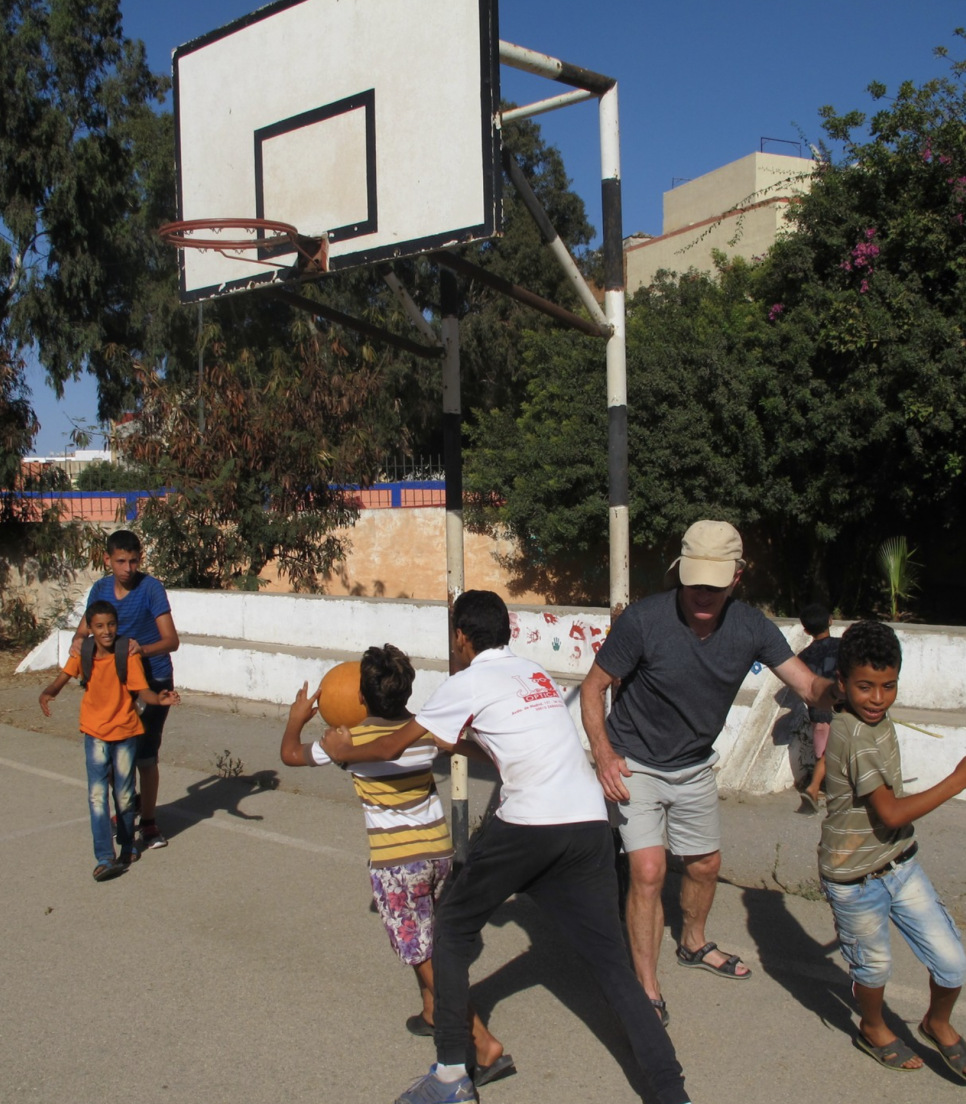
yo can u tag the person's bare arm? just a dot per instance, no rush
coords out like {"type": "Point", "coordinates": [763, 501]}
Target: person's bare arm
{"type": "Point", "coordinates": [337, 744]}
{"type": "Point", "coordinates": [611, 768]}
{"type": "Point", "coordinates": [293, 752]}
{"type": "Point", "coordinates": [168, 643]}
{"type": "Point", "coordinates": [80, 633]}
{"type": "Point", "coordinates": [897, 812]}
{"type": "Point", "coordinates": [50, 692]}
{"type": "Point", "coordinates": [160, 697]}
{"type": "Point", "coordinates": [811, 688]}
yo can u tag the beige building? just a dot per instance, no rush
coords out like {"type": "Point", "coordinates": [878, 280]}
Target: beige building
{"type": "Point", "coordinates": [738, 209]}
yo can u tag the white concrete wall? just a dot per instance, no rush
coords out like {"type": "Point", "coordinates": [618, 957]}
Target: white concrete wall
{"type": "Point", "coordinates": [738, 208]}
{"type": "Point", "coordinates": [741, 183]}
{"type": "Point", "coordinates": [264, 646]}
{"type": "Point", "coordinates": [749, 233]}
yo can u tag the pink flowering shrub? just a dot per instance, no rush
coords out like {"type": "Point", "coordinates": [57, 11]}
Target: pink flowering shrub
{"type": "Point", "coordinates": [862, 255]}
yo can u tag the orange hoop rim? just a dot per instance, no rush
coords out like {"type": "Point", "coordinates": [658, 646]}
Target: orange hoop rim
{"type": "Point", "coordinates": [314, 252]}
{"type": "Point", "coordinates": [180, 234]}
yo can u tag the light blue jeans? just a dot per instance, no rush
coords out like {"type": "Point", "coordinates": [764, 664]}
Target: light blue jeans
{"type": "Point", "coordinates": [906, 897]}
{"type": "Point", "coordinates": [104, 757]}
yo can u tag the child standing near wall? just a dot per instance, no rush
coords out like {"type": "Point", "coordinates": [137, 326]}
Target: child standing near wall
{"type": "Point", "coordinates": [820, 658]}
{"type": "Point", "coordinates": [867, 857]}
{"type": "Point", "coordinates": [110, 725]}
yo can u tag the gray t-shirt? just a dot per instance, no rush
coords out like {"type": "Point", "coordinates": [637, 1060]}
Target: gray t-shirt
{"type": "Point", "coordinates": [859, 759]}
{"type": "Point", "coordinates": [675, 689]}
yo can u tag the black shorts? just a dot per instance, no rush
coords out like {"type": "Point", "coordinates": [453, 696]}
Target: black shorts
{"type": "Point", "coordinates": [153, 718]}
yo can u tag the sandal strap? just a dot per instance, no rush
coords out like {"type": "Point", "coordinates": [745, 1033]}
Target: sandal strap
{"type": "Point", "coordinates": [696, 956]}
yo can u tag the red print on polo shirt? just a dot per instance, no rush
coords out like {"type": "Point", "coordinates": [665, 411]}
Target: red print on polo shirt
{"type": "Point", "coordinates": [542, 688]}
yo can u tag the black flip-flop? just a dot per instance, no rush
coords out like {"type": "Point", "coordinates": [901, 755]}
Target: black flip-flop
{"type": "Point", "coordinates": [418, 1025]}
{"type": "Point", "coordinates": [892, 1055]}
{"type": "Point", "coordinates": [502, 1067]}
{"type": "Point", "coordinates": [953, 1055]}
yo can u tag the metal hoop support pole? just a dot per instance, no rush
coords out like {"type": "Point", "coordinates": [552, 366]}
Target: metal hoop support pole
{"type": "Point", "coordinates": [455, 581]}
{"type": "Point", "coordinates": [614, 307]}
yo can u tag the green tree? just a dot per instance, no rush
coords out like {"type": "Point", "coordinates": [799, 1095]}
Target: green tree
{"type": "Point", "coordinates": [34, 544]}
{"type": "Point", "coordinates": [254, 487]}
{"type": "Point", "coordinates": [493, 370]}
{"type": "Point", "coordinates": [817, 399]}
{"type": "Point", "coordinates": [867, 402]}
{"type": "Point", "coordinates": [102, 476]}
{"type": "Point", "coordinates": [695, 445]}
{"type": "Point", "coordinates": [84, 164]}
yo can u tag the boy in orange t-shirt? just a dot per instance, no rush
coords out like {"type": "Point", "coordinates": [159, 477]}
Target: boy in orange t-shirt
{"type": "Point", "coordinates": [110, 725]}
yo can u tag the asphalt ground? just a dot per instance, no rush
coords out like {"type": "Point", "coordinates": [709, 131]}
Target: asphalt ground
{"type": "Point", "coordinates": [244, 963]}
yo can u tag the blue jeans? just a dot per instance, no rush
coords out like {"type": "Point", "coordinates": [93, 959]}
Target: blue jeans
{"type": "Point", "coordinates": [906, 897]}
{"type": "Point", "coordinates": [104, 757]}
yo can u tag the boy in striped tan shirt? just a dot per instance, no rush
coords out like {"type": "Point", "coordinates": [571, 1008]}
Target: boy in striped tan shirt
{"type": "Point", "coordinates": [410, 849]}
{"type": "Point", "coordinates": [867, 858]}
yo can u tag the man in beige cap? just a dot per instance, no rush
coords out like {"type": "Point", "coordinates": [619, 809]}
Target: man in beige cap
{"type": "Point", "coordinates": [675, 662]}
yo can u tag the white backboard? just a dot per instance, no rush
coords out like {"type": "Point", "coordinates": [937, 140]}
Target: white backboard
{"type": "Point", "coordinates": [370, 120]}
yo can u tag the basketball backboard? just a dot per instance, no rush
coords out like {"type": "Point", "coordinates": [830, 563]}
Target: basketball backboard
{"type": "Point", "coordinates": [373, 121]}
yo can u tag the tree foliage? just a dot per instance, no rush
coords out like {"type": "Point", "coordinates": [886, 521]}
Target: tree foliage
{"type": "Point", "coordinates": [693, 437]}
{"type": "Point", "coordinates": [105, 476]}
{"type": "Point", "coordinates": [253, 487]}
{"type": "Point", "coordinates": [816, 398]}
{"type": "Point", "coordinates": [84, 165]}
{"type": "Point", "coordinates": [493, 327]}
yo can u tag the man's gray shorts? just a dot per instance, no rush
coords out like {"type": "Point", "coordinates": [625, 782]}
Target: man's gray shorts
{"type": "Point", "coordinates": [676, 809]}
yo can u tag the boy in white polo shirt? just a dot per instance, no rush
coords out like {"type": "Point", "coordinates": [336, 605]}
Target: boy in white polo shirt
{"type": "Point", "coordinates": [549, 838]}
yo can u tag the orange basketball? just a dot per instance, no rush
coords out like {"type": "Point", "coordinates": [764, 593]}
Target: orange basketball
{"type": "Point", "coordinates": [339, 696]}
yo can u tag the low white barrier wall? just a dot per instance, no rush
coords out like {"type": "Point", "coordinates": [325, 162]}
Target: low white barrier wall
{"type": "Point", "coordinates": [264, 646]}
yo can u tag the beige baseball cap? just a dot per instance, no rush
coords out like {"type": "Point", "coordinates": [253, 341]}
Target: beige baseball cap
{"type": "Point", "coordinates": [710, 555]}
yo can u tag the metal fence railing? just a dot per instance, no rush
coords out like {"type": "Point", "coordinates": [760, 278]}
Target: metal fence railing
{"type": "Point", "coordinates": [82, 505]}
{"type": "Point", "coordinates": [114, 506]}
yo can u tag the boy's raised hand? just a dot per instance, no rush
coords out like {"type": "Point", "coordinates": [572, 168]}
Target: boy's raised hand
{"type": "Point", "coordinates": [169, 697]}
{"type": "Point", "coordinates": [304, 708]}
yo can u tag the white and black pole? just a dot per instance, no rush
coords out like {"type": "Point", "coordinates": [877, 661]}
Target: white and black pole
{"type": "Point", "coordinates": [453, 464]}
{"type": "Point", "coordinates": [613, 244]}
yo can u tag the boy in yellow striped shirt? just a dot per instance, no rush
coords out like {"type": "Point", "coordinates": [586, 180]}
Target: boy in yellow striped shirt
{"type": "Point", "coordinates": [410, 849]}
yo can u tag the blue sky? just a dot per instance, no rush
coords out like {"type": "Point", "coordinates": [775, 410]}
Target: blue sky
{"type": "Point", "coordinates": [701, 83]}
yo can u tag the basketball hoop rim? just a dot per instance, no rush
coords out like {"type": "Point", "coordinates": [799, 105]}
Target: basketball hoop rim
{"type": "Point", "coordinates": [314, 252]}
{"type": "Point", "coordinates": [179, 233]}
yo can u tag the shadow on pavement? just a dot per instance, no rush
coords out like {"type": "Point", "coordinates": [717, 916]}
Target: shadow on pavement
{"type": "Point", "coordinates": [213, 794]}
{"type": "Point", "coordinates": [551, 963]}
{"type": "Point", "coordinates": [815, 979]}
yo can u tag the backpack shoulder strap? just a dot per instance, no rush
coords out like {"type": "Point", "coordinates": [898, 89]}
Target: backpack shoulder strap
{"type": "Point", "coordinates": [120, 657]}
{"type": "Point", "coordinates": [87, 660]}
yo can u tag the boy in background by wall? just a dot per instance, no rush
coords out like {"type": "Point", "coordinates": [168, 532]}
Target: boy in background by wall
{"type": "Point", "coordinates": [820, 658]}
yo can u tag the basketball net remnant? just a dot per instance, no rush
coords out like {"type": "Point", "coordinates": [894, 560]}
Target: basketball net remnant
{"type": "Point", "coordinates": [264, 235]}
